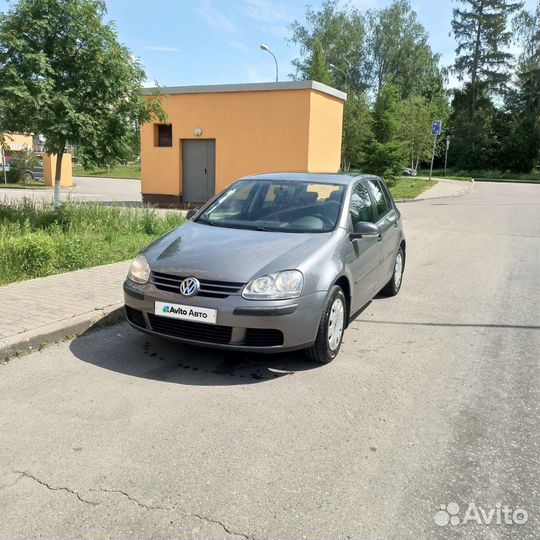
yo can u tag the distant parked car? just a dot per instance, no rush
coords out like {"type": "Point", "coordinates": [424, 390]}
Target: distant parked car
{"type": "Point", "coordinates": [275, 262]}
{"type": "Point", "coordinates": [34, 174]}
{"type": "Point", "coordinates": [407, 171]}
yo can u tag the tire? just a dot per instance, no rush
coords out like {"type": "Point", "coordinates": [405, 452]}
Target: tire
{"type": "Point", "coordinates": [331, 328]}
{"type": "Point", "coordinates": [394, 285]}
{"type": "Point", "coordinates": [27, 177]}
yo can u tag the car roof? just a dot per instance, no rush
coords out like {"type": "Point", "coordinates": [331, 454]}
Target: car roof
{"type": "Point", "coordinates": [324, 178]}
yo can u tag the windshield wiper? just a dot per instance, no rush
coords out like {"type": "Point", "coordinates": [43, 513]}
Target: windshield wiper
{"type": "Point", "coordinates": [206, 222]}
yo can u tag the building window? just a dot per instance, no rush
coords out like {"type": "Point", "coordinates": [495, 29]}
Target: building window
{"type": "Point", "coordinates": [162, 134]}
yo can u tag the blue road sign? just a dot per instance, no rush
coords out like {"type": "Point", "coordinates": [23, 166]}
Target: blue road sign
{"type": "Point", "coordinates": [436, 128]}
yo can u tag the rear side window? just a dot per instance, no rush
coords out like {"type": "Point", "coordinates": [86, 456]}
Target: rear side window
{"type": "Point", "coordinates": [381, 199]}
{"type": "Point", "coordinates": [361, 206]}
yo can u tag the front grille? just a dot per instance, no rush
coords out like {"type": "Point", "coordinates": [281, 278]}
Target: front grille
{"type": "Point", "coordinates": [208, 333]}
{"type": "Point", "coordinates": [135, 316]}
{"type": "Point", "coordinates": [261, 337]}
{"type": "Point", "coordinates": [209, 288]}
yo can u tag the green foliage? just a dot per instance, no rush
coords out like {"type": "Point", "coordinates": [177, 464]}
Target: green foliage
{"type": "Point", "coordinates": [318, 69]}
{"type": "Point", "coordinates": [481, 32]}
{"type": "Point", "coordinates": [116, 171]}
{"type": "Point", "coordinates": [21, 162]}
{"type": "Point", "coordinates": [341, 33]}
{"type": "Point", "coordinates": [387, 152]}
{"type": "Point", "coordinates": [36, 240]}
{"type": "Point", "coordinates": [64, 74]}
{"type": "Point", "coordinates": [357, 132]}
{"type": "Point", "coordinates": [399, 52]}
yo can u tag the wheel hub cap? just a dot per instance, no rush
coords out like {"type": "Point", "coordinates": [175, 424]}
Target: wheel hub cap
{"type": "Point", "coordinates": [335, 323]}
{"type": "Point", "coordinates": [398, 270]}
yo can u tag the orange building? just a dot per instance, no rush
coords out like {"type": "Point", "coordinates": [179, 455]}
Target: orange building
{"type": "Point", "coordinates": [217, 134]}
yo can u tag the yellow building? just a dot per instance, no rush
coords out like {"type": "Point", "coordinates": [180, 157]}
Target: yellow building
{"type": "Point", "coordinates": [217, 134]}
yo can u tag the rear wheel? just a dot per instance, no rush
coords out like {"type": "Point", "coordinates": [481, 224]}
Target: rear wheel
{"type": "Point", "coordinates": [331, 327]}
{"type": "Point", "coordinates": [393, 286]}
{"type": "Point", "coordinates": [27, 177]}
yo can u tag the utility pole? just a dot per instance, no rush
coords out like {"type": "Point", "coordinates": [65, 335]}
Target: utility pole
{"type": "Point", "coordinates": [436, 130]}
{"type": "Point", "coordinates": [446, 153]}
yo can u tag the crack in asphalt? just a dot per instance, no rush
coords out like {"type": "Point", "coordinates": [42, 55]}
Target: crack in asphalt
{"type": "Point", "coordinates": [130, 498]}
{"type": "Point", "coordinates": [24, 474]}
{"type": "Point", "coordinates": [227, 529]}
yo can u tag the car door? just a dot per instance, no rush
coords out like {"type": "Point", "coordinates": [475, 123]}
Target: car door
{"type": "Point", "coordinates": [387, 220]}
{"type": "Point", "coordinates": [364, 256]}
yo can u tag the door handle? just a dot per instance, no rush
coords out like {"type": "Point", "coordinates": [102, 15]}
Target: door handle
{"type": "Point", "coordinates": [379, 237]}
{"type": "Point", "coordinates": [395, 224]}
{"type": "Point", "coordinates": [205, 170]}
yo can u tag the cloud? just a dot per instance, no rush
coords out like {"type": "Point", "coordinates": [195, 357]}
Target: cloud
{"type": "Point", "coordinates": [238, 45]}
{"type": "Point", "coordinates": [268, 11]}
{"type": "Point", "coordinates": [214, 17]}
{"type": "Point", "coordinates": [161, 48]}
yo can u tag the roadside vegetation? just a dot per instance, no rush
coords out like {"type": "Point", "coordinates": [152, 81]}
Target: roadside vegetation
{"type": "Point", "coordinates": [131, 172]}
{"type": "Point", "coordinates": [457, 174]}
{"type": "Point", "coordinates": [36, 240]}
{"type": "Point", "coordinates": [18, 185]}
{"type": "Point", "coordinates": [408, 187]}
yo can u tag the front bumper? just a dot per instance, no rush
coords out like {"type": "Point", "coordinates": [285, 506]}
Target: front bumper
{"type": "Point", "coordinates": [246, 325]}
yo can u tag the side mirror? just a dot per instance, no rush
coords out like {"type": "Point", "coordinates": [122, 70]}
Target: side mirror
{"type": "Point", "coordinates": [364, 228]}
{"type": "Point", "coordinates": [191, 213]}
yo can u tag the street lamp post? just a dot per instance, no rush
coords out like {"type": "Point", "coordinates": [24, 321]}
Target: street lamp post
{"type": "Point", "coordinates": [334, 67]}
{"type": "Point", "coordinates": [267, 49]}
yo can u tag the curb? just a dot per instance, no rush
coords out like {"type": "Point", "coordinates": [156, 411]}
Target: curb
{"type": "Point", "coordinates": [506, 181]}
{"type": "Point", "coordinates": [464, 191]}
{"type": "Point", "coordinates": [35, 339]}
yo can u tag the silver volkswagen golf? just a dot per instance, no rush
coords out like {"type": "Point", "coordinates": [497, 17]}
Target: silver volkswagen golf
{"type": "Point", "coordinates": [275, 262]}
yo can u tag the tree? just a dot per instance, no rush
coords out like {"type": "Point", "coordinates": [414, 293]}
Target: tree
{"type": "Point", "coordinates": [341, 33]}
{"type": "Point", "coordinates": [386, 153]}
{"type": "Point", "coordinates": [481, 32]}
{"type": "Point", "coordinates": [473, 140]}
{"type": "Point", "coordinates": [357, 133]}
{"type": "Point", "coordinates": [64, 74]}
{"type": "Point", "coordinates": [399, 52]}
{"type": "Point", "coordinates": [318, 69]}
{"type": "Point", "coordinates": [416, 116]}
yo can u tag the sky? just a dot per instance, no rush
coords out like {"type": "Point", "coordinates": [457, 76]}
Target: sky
{"type": "Point", "coordinates": [189, 42]}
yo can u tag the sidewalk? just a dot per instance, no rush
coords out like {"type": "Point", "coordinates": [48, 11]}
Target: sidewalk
{"type": "Point", "coordinates": [46, 309]}
{"type": "Point", "coordinates": [446, 188]}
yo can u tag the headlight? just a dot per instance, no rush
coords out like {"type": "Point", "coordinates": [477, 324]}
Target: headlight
{"type": "Point", "coordinates": [278, 286]}
{"type": "Point", "coordinates": [139, 271]}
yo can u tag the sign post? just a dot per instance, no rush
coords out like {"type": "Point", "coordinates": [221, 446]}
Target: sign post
{"type": "Point", "coordinates": [446, 153]}
{"type": "Point", "coordinates": [436, 130]}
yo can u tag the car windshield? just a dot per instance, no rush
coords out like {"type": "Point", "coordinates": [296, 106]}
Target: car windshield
{"type": "Point", "coordinates": [277, 205]}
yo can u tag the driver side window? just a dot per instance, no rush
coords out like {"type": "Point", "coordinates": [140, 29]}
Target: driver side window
{"type": "Point", "coordinates": [361, 208]}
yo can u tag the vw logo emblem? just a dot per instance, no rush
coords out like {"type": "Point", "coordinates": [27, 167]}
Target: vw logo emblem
{"type": "Point", "coordinates": [190, 286]}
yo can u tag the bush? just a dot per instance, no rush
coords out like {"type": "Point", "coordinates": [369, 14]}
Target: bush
{"type": "Point", "coordinates": [36, 240]}
{"type": "Point", "coordinates": [31, 254]}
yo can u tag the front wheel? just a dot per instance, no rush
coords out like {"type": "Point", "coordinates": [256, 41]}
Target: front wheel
{"type": "Point", "coordinates": [393, 286]}
{"type": "Point", "coordinates": [331, 327]}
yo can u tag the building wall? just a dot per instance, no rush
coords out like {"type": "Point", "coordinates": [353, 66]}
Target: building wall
{"type": "Point", "coordinates": [325, 128]}
{"type": "Point", "coordinates": [255, 132]}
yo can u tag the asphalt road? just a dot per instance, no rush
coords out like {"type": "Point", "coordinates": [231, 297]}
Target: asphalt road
{"type": "Point", "coordinates": [433, 400]}
{"type": "Point", "coordinates": [86, 188]}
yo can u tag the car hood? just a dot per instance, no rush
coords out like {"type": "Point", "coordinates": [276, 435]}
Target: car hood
{"type": "Point", "coordinates": [227, 254]}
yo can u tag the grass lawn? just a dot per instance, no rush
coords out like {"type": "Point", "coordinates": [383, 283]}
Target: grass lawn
{"type": "Point", "coordinates": [131, 172]}
{"type": "Point", "coordinates": [36, 241]}
{"type": "Point", "coordinates": [455, 174]}
{"type": "Point", "coordinates": [407, 187]}
{"type": "Point", "coordinates": [30, 185]}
